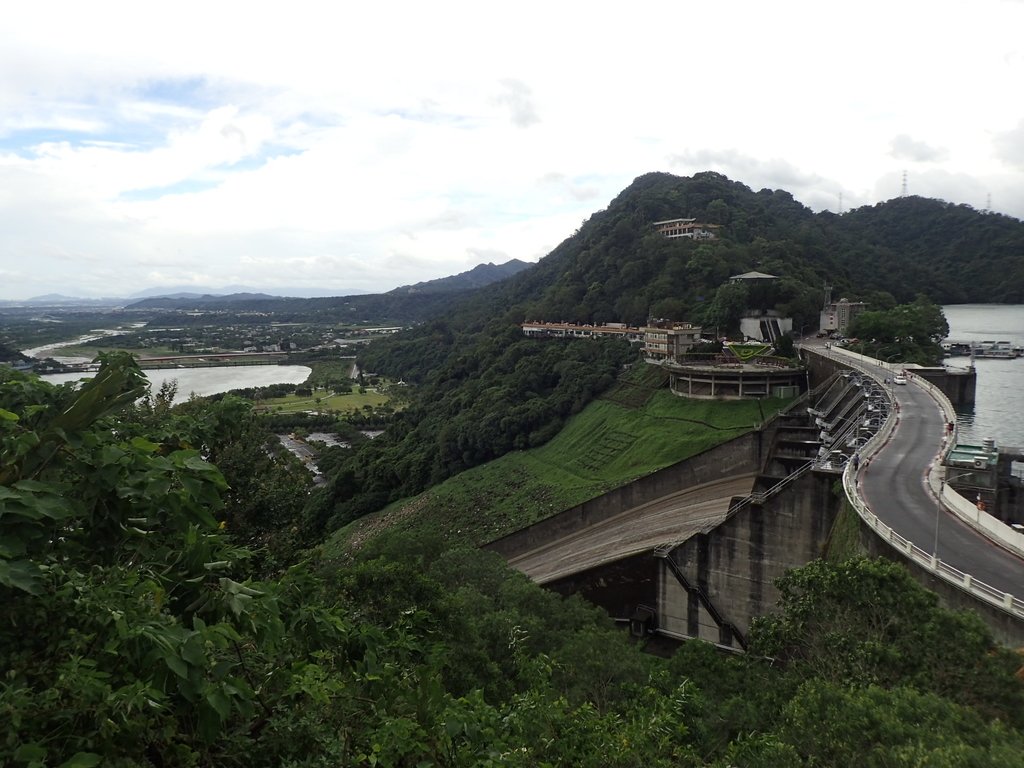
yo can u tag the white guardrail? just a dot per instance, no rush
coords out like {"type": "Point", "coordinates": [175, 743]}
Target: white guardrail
{"type": "Point", "coordinates": [979, 589]}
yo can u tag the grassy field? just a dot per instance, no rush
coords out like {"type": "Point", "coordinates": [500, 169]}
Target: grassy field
{"type": "Point", "coordinates": [323, 400]}
{"type": "Point", "coordinates": [605, 446]}
{"type": "Point", "coordinates": [325, 372]}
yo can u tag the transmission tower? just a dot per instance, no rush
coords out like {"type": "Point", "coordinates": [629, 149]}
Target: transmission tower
{"type": "Point", "coordinates": [903, 189]}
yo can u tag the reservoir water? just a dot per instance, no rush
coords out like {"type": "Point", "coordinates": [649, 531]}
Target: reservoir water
{"type": "Point", "coordinates": [998, 410]}
{"type": "Point", "coordinates": [210, 381]}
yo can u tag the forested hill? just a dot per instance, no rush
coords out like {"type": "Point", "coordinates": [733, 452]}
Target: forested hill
{"type": "Point", "coordinates": [617, 268]}
{"type": "Point", "coordinates": [477, 277]}
{"type": "Point", "coordinates": [485, 390]}
{"type": "Point", "coordinates": [952, 253]}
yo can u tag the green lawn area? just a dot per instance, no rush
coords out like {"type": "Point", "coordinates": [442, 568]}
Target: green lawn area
{"type": "Point", "coordinates": [605, 446]}
{"type": "Point", "coordinates": [323, 400]}
{"type": "Point", "coordinates": [326, 372]}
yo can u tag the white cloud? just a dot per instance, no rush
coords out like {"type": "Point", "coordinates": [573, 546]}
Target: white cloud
{"type": "Point", "coordinates": [1009, 146]}
{"type": "Point", "coordinates": [518, 98]}
{"type": "Point", "coordinates": [375, 145]}
{"type": "Point", "coordinates": [906, 148]}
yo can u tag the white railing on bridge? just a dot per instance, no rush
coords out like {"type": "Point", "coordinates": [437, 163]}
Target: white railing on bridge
{"type": "Point", "coordinates": [978, 589]}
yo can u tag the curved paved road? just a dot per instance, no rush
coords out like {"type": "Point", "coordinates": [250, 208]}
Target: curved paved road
{"type": "Point", "coordinates": [640, 529]}
{"type": "Point", "coordinates": [895, 488]}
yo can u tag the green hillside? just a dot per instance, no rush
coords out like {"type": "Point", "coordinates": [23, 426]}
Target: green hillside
{"type": "Point", "coordinates": [607, 445]}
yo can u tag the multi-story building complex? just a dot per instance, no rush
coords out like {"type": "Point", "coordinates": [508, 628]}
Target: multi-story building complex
{"type": "Point", "coordinates": [689, 228]}
{"type": "Point", "coordinates": [572, 331]}
{"type": "Point", "coordinates": [667, 340]}
{"type": "Point", "coordinates": [837, 315]}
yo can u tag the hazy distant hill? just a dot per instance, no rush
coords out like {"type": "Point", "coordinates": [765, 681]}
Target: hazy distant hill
{"type": "Point", "coordinates": [477, 277]}
{"type": "Point", "coordinates": [401, 305]}
{"type": "Point", "coordinates": [195, 292]}
{"type": "Point", "coordinates": [60, 300]}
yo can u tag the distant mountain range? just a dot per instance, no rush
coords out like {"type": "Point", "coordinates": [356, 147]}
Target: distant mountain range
{"type": "Point", "coordinates": [195, 292]}
{"type": "Point", "coordinates": [408, 302]}
{"type": "Point", "coordinates": [478, 276]}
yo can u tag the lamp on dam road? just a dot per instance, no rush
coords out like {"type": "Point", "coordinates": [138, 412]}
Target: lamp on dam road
{"type": "Point", "coordinates": [946, 481]}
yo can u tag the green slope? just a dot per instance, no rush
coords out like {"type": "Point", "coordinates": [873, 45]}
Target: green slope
{"type": "Point", "coordinates": [607, 445]}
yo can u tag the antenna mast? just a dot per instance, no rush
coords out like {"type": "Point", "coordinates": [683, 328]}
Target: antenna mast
{"type": "Point", "coordinates": [903, 189]}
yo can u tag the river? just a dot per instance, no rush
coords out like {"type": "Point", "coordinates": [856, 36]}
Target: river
{"type": "Point", "coordinates": [998, 410]}
{"type": "Point", "coordinates": [210, 381]}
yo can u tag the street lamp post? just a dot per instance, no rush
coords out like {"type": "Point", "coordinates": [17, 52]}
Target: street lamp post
{"type": "Point", "coordinates": [891, 376]}
{"type": "Point", "coordinates": [945, 483]}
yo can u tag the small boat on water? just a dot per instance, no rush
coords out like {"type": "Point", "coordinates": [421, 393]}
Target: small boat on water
{"type": "Point", "coordinates": [1002, 350]}
{"type": "Point", "coordinates": [956, 348]}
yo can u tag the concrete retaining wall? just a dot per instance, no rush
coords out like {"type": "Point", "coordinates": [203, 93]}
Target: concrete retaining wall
{"type": "Point", "coordinates": [738, 562]}
{"type": "Point", "coordinates": [740, 456]}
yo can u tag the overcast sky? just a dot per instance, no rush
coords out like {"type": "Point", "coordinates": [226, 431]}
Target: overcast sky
{"type": "Point", "coordinates": [357, 147]}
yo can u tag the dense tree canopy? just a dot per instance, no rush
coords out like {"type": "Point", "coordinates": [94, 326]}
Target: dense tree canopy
{"type": "Point", "coordinates": [134, 631]}
{"type": "Point", "coordinates": [907, 332]}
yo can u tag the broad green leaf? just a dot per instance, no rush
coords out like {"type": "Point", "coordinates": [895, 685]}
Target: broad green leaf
{"type": "Point", "coordinates": [145, 445]}
{"type": "Point", "coordinates": [28, 753]}
{"type": "Point", "coordinates": [111, 454]}
{"type": "Point", "coordinates": [35, 486]}
{"type": "Point", "coordinates": [82, 760]}
{"type": "Point", "coordinates": [20, 574]}
{"type": "Point", "coordinates": [192, 651]}
{"type": "Point", "coordinates": [198, 463]}
{"type": "Point", "coordinates": [8, 416]}
{"type": "Point", "coordinates": [220, 703]}
{"type": "Point", "coordinates": [11, 549]}
{"type": "Point", "coordinates": [176, 665]}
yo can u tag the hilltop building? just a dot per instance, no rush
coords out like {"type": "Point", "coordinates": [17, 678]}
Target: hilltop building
{"type": "Point", "coordinates": [747, 276]}
{"type": "Point", "coordinates": [688, 228]}
{"type": "Point", "coordinates": [539, 330]}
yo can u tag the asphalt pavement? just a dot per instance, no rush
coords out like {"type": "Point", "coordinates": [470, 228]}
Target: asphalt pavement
{"type": "Point", "coordinates": [895, 487]}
